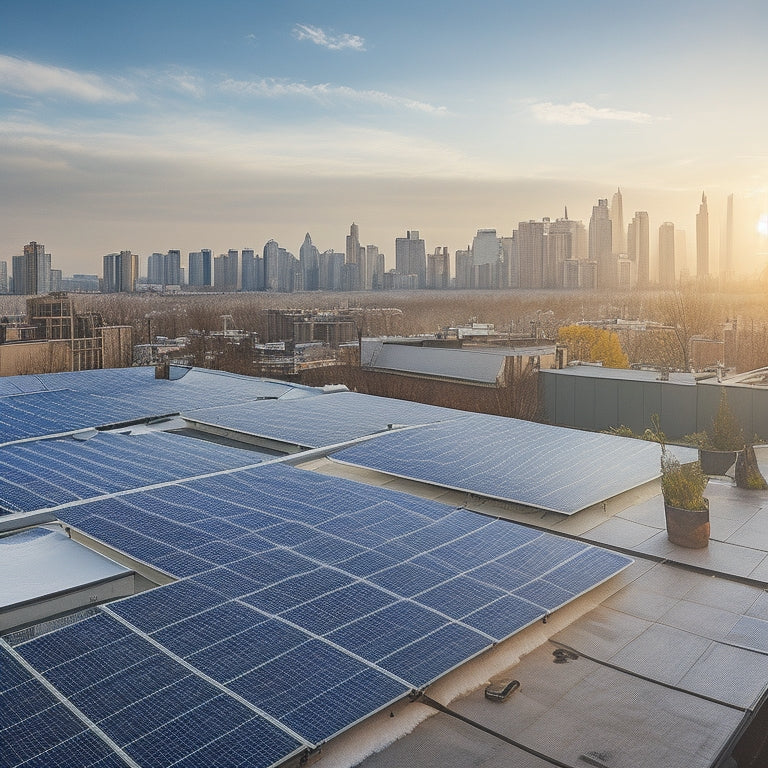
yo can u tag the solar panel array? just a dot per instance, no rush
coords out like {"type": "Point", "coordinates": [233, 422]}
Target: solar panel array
{"type": "Point", "coordinates": [46, 473]}
{"type": "Point", "coordinates": [321, 421]}
{"type": "Point", "coordinates": [538, 465]}
{"type": "Point", "coordinates": [35, 406]}
{"type": "Point", "coordinates": [292, 620]}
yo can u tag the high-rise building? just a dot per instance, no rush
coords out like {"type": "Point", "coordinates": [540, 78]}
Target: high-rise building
{"type": "Point", "coordinates": [638, 247]}
{"type": "Point", "coordinates": [120, 272]}
{"type": "Point", "coordinates": [618, 233]}
{"type": "Point", "coordinates": [199, 270]}
{"type": "Point", "coordinates": [510, 259]}
{"type": "Point", "coordinates": [465, 272]}
{"type": "Point", "coordinates": [439, 269]}
{"type": "Point", "coordinates": [250, 271]}
{"type": "Point", "coordinates": [3, 277]}
{"type": "Point", "coordinates": [331, 263]}
{"type": "Point", "coordinates": [702, 240]}
{"type": "Point", "coordinates": [600, 244]}
{"type": "Point", "coordinates": [356, 255]}
{"type": "Point", "coordinates": [309, 261]}
{"type": "Point", "coordinates": [533, 250]}
{"type": "Point", "coordinates": [374, 268]}
{"type": "Point", "coordinates": [411, 257]}
{"type": "Point", "coordinates": [567, 240]}
{"type": "Point", "coordinates": [32, 270]}
{"type": "Point", "coordinates": [225, 270]}
{"type": "Point", "coordinates": [667, 273]}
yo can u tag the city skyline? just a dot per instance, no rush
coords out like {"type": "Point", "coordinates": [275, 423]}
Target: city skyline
{"type": "Point", "coordinates": [234, 124]}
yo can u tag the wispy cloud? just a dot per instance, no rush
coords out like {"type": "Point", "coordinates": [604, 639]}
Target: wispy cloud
{"type": "Point", "coordinates": [22, 77]}
{"type": "Point", "coordinates": [328, 40]}
{"type": "Point", "coordinates": [273, 88]}
{"type": "Point", "coordinates": [579, 113]}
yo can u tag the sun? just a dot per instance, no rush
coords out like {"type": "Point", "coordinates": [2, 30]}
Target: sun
{"type": "Point", "coordinates": [762, 225]}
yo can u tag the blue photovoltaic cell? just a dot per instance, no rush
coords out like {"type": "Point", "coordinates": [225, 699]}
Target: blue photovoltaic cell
{"type": "Point", "coordinates": [158, 608]}
{"type": "Point", "coordinates": [208, 628]}
{"type": "Point", "coordinates": [326, 420]}
{"type": "Point", "coordinates": [409, 585]}
{"type": "Point", "coordinates": [534, 464]}
{"type": "Point", "coordinates": [504, 617]}
{"type": "Point", "coordinates": [386, 631]}
{"type": "Point", "coordinates": [336, 608]}
{"type": "Point", "coordinates": [431, 656]}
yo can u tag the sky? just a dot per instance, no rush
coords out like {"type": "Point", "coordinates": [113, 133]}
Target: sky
{"type": "Point", "coordinates": [185, 124]}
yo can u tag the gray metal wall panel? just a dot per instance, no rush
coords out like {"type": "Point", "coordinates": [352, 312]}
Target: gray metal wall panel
{"type": "Point", "coordinates": [678, 411]}
{"type": "Point", "coordinates": [584, 405]}
{"type": "Point", "coordinates": [606, 404]}
{"type": "Point", "coordinates": [630, 405]}
{"type": "Point", "coordinates": [651, 400]}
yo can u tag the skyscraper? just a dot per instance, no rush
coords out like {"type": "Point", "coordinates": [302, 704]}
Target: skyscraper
{"type": "Point", "coordinates": [309, 260]}
{"type": "Point", "coordinates": [356, 255]}
{"type": "Point", "coordinates": [702, 240]}
{"type": "Point", "coordinates": [533, 247]}
{"type": "Point", "coordinates": [120, 272]}
{"type": "Point", "coordinates": [618, 233]}
{"type": "Point", "coordinates": [250, 270]}
{"type": "Point", "coordinates": [374, 268]}
{"type": "Point", "coordinates": [199, 268]}
{"type": "Point", "coordinates": [600, 244]}
{"type": "Point", "coordinates": [411, 257]}
{"type": "Point", "coordinates": [439, 269]}
{"type": "Point", "coordinates": [566, 241]}
{"type": "Point", "coordinates": [638, 247]}
{"type": "Point", "coordinates": [32, 271]}
{"type": "Point", "coordinates": [667, 273]}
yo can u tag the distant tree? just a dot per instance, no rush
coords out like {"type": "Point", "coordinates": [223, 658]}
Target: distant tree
{"type": "Point", "coordinates": [593, 345]}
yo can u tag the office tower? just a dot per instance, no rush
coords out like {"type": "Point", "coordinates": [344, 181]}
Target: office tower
{"type": "Point", "coordinates": [249, 270]}
{"type": "Point", "coordinates": [331, 263]}
{"type": "Point", "coordinates": [600, 244]}
{"type": "Point", "coordinates": [465, 272]}
{"type": "Point", "coordinates": [702, 240]}
{"type": "Point", "coordinates": [356, 255]}
{"type": "Point", "coordinates": [638, 247]}
{"type": "Point", "coordinates": [199, 268]}
{"type": "Point", "coordinates": [374, 268]}
{"type": "Point", "coordinates": [438, 269]}
{"type": "Point", "coordinates": [618, 233]}
{"type": "Point", "coordinates": [156, 268]}
{"type": "Point", "coordinates": [3, 277]}
{"type": "Point", "coordinates": [510, 263]}
{"type": "Point", "coordinates": [225, 270]}
{"type": "Point", "coordinates": [309, 261]}
{"type": "Point", "coordinates": [566, 241]}
{"type": "Point", "coordinates": [172, 268]}
{"type": "Point", "coordinates": [667, 273]}
{"type": "Point", "coordinates": [533, 249]}
{"type": "Point", "coordinates": [32, 270]}
{"type": "Point", "coordinates": [727, 267]}
{"type": "Point", "coordinates": [411, 257]}
{"type": "Point", "coordinates": [486, 255]}
{"type": "Point", "coordinates": [120, 272]}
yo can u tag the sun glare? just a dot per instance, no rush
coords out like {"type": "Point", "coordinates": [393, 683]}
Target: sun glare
{"type": "Point", "coordinates": [762, 225]}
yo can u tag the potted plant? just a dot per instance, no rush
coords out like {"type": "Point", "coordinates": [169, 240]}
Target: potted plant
{"type": "Point", "coordinates": [686, 510]}
{"type": "Point", "coordinates": [747, 472]}
{"type": "Point", "coordinates": [720, 445]}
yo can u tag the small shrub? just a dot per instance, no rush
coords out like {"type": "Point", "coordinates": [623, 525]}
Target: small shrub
{"type": "Point", "coordinates": [682, 485]}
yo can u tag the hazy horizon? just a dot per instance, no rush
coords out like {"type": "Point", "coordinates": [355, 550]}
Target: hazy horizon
{"type": "Point", "coordinates": [153, 126]}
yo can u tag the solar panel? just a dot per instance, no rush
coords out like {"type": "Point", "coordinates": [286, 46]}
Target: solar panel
{"type": "Point", "coordinates": [319, 421]}
{"type": "Point", "coordinates": [359, 597]}
{"type": "Point", "coordinates": [533, 464]}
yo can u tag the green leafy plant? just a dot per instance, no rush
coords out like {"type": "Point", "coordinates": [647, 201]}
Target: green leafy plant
{"type": "Point", "coordinates": [726, 433]}
{"type": "Point", "coordinates": [682, 485]}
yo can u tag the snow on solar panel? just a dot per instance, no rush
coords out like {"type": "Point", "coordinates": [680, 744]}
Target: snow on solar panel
{"type": "Point", "coordinates": [538, 465]}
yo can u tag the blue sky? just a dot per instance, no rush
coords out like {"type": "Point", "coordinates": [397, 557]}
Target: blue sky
{"type": "Point", "coordinates": [156, 125]}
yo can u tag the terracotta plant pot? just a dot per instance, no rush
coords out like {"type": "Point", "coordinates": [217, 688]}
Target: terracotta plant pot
{"type": "Point", "coordinates": [716, 462]}
{"type": "Point", "coordinates": [688, 527]}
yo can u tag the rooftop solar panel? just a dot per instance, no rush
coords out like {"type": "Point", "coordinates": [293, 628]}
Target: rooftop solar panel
{"type": "Point", "coordinates": [320, 421]}
{"type": "Point", "coordinates": [518, 461]}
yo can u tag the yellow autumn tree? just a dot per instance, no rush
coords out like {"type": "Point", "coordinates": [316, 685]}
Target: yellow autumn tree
{"type": "Point", "coordinates": [593, 345]}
